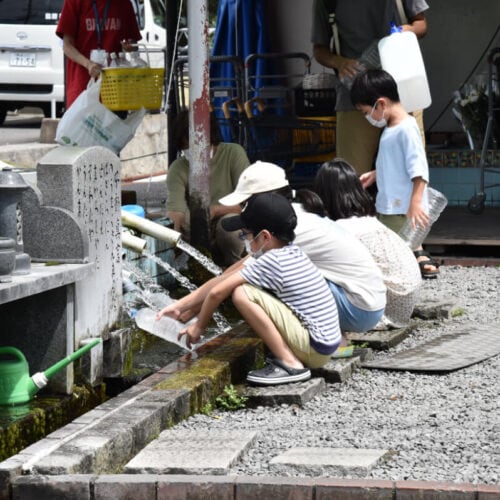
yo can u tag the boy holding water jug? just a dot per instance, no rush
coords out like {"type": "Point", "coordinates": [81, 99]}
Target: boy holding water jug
{"type": "Point", "coordinates": [402, 172]}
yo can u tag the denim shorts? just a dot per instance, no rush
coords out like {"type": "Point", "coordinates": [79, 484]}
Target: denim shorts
{"type": "Point", "coordinates": [352, 318]}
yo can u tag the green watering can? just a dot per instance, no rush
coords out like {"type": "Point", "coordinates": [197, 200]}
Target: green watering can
{"type": "Point", "coordinates": [16, 385]}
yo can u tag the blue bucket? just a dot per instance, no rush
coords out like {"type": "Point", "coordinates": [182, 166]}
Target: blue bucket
{"type": "Point", "coordinates": [135, 209]}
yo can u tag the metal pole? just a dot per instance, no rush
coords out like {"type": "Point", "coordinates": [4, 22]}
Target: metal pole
{"type": "Point", "coordinates": [199, 123]}
{"type": "Point", "coordinates": [171, 13]}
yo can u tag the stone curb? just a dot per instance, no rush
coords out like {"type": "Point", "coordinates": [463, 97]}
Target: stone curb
{"type": "Point", "coordinates": [105, 438]}
{"type": "Point", "coordinates": [194, 487]}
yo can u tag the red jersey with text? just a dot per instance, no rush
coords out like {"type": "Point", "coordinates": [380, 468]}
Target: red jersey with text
{"type": "Point", "coordinates": [79, 21]}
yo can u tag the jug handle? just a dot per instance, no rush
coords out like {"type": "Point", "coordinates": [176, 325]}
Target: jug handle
{"type": "Point", "coordinates": [14, 351]}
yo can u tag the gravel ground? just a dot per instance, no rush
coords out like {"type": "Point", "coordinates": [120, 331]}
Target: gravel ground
{"type": "Point", "coordinates": [441, 427]}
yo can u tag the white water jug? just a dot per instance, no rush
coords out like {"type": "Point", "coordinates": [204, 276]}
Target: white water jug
{"type": "Point", "coordinates": [401, 57]}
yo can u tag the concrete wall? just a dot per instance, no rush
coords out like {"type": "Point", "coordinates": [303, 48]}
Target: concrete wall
{"type": "Point", "coordinates": [459, 31]}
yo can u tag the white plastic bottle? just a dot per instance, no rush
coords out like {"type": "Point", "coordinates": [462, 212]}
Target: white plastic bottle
{"type": "Point", "coordinates": [166, 328]}
{"type": "Point", "coordinates": [369, 59]}
{"type": "Point", "coordinates": [113, 60]}
{"type": "Point", "coordinates": [136, 61]}
{"type": "Point", "coordinates": [415, 237]}
{"type": "Point", "coordinates": [400, 56]}
{"type": "Point", "coordinates": [122, 61]}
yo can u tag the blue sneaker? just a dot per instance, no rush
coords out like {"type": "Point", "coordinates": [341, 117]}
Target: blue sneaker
{"type": "Point", "coordinates": [275, 372]}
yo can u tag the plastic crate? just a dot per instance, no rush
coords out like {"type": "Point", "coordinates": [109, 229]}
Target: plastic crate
{"type": "Point", "coordinates": [124, 89]}
{"type": "Point", "coordinates": [315, 102]}
{"type": "Point", "coordinates": [317, 142]}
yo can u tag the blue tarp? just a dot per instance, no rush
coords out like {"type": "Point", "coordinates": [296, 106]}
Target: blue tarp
{"type": "Point", "coordinates": [240, 31]}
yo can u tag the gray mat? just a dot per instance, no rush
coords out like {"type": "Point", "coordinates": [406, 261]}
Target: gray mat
{"type": "Point", "coordinates": [467, 345]}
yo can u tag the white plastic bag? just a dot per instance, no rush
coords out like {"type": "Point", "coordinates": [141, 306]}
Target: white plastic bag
{"type": "Point", "coordinates": [89, 123]}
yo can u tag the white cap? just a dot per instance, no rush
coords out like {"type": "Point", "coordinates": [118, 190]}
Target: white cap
{"type": "Point", "coordinates": [260, 177]}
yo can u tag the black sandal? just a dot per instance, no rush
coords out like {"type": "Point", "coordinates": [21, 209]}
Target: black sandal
{"type": "Point", "coordinates": [426, 274]}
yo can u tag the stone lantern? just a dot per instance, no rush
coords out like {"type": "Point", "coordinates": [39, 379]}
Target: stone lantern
{"type": "Point", "coordinates": [12, 185]}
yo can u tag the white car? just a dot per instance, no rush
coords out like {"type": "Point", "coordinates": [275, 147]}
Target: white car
{"type": "Point", "coordinates": [31, 55]}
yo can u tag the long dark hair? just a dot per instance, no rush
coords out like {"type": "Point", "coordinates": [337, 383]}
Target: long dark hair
{"type": "Point", "coordinates": [310, 201]}
{"type": "Point", "coordinates": [338, 185]}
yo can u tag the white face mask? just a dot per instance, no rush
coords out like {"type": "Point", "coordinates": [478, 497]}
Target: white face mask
{"type": "Point", "coordinates": [376, 123]}
{"type": "Point", "coordinates": [249, 250]}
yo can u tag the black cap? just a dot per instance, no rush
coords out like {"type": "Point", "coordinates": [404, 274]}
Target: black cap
{"type": "Point", "coordinates": [269, 211]}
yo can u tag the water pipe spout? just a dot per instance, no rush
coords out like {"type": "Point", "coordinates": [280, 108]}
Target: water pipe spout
{"type": "Point", "coordinates": [150, 228]}
{"type": "Point", "coordinates": [133, 242]}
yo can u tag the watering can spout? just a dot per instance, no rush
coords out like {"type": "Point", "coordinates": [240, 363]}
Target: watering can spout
{"type": "Point", "coordinates": [41, 379]}
{"type": "Point", "coordinates": [50, 372]}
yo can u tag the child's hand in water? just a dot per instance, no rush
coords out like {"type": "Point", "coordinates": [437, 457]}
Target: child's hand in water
{"type": "Point", "coordinates": [171, 311]}
{"type": "Point", "coordinates": [193, 334]}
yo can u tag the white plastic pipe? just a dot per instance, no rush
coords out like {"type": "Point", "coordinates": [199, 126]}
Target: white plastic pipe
{"type": "Point", "coordinates": [151, 228]}
{"type": "Point", "coordinates": [132, 242]}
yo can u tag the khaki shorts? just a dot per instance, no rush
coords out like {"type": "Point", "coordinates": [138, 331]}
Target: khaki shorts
{"type": "Point", "coordinates": [394, 222]}
{"type": "Point", "coordinates": [289, 326]}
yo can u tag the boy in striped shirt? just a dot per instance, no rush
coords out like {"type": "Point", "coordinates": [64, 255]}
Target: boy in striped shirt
{"type": "Point", "coordinates": [280, 294]}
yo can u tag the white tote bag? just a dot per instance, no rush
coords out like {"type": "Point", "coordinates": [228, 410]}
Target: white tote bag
{"type": "Point", "coordinates": [88, 122]}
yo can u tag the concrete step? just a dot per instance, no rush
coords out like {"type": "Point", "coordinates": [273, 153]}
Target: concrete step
{"type": "Point", "coordinates": [190, 452]}
{"type": "Point", "coordinates": [327, 461]}
{"type": "Point", "coordinates": [382, 339]}
{"type": "Point", "coordinates": [288, 394]}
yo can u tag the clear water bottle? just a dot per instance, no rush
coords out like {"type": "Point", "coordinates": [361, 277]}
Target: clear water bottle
{"type": "Point", "coordinates": [414, 237]}
{"type": "Point", "coordinates": [122, 60]}
{"type": "Point", "coordinates": [113, 60]}
{"type": "Point", "coordinates": [369, 59]}
{"type": "Point", "coordinates": [166, 328]}
{"type": "Point", "coordinates": [99, 56]}
{"type": "Point", "coordinates": [136, 61]}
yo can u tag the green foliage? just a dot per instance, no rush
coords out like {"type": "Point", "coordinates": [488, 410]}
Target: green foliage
{"type": "Point", "coordinates": [230, 399]}
{"type": "Point", "coordinates": [459, 311]}
{"type": "Point", "coordinates": [207, 409]}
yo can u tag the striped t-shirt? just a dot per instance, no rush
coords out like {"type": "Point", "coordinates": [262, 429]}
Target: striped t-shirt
{"type": "Point", "coordinates": [289, 275]}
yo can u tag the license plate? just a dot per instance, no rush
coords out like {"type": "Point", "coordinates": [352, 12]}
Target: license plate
{"type": "Point", "coordinates": [26, 59]}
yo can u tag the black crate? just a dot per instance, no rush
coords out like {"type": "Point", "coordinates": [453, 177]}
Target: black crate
{"type": "Point", "coordinates": [315, 102]}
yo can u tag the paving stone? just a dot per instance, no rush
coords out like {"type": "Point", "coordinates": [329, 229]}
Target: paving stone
{"type": "Point", "coordinates": [66, 431]}
{"type": "Point", "coordinates": [488, 491]}
{"type": "Point", "coordinates": [97, 450]}
{"type": "Point", "coordinates": [175, 404]}
{"type": "Point", "coordinates": [277, 488]}
{"type": "Point", "coordinates": [298, 393]}
{"type": "Point", "coordinates": [434, 490]}
{"type": "Point", "coordinates": [174, 487]}
{"type": "Point", "coordinates": [9, 469]}
{"type": "Point", "coordinates": [381, 339]}
{"type": "Point", "coordinates": [338, 370]}
{"type": "Point", "coordinates": [188, 452]}
{"type": "Point", "coordinates": [51, 487]}
{"type": "Point", "coordinates": [122, 486]}
{"type": "Point", "coordinates": [332, 488]}
{"type": "Point", "coordinates": [327, 461]}
{"type": "Point", "coordinates": [437, 307]}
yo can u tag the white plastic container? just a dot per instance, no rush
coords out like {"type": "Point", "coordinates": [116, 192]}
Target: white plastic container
{"type": "Point", "coordinates": [415, 237]}
{"type": "Point", "coordinates": [400, 56]}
